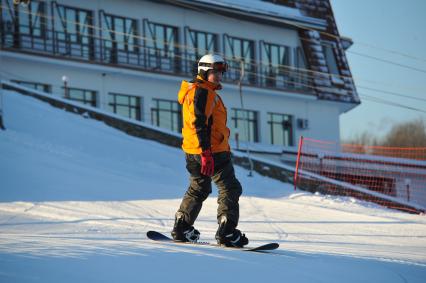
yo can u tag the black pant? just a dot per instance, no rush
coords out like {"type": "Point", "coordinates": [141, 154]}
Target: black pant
{"type": "Point", "coordinates": [200, 187]}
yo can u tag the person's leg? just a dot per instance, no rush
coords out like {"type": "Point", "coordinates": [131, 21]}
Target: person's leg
{"type": "Point", "coordinates": [229, 188]}
{"type": "Point", "coordinates": [228, 208]}
{"type": "Point", "coordinates": [197, 192]}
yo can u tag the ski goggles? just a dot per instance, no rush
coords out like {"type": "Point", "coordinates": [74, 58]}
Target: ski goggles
{"type": "Point", "coordinates": [217, 67]}
{"type": "Point", "coordinates": [220, 67]}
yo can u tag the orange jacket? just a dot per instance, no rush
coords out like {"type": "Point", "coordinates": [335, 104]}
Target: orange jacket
{"type": "Point", "coordinates": [204, 117]}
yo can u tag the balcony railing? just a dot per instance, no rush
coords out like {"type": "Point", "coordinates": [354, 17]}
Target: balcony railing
{"type": "Point", "coordinates": [100, 50]}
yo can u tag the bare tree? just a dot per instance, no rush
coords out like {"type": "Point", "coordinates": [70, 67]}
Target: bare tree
{"type": "Point", "coordinates": [364, 138]}
{"type": "Point", "coordinates": [407, 134]}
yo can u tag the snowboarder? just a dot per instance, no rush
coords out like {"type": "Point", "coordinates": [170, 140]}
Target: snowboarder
{"type": "Point", "coordinates": [208, 156]}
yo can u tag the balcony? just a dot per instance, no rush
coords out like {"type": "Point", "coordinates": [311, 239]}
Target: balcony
{"type": "Point", "coordinates": [126, 54]}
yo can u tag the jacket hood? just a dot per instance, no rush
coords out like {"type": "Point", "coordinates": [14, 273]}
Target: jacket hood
{"type": "Point", "coordinates": [184, 88]}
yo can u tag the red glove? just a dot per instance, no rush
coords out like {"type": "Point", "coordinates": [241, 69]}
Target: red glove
{"type": "Point", "coordinates": [207, 163]}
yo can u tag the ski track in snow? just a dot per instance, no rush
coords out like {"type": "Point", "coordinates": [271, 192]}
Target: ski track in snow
{"type": "Point", "coordinates": [78, 195]}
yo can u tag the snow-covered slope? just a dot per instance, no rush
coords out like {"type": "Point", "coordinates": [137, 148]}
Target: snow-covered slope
{"type": "Point", "coordinates": [77, 197]}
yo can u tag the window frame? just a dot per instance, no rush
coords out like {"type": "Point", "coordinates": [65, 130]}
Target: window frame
{"type": "Point", "coordinates": [250, 67]}
{"type": "Point", "coordinates": [137, 108]}
{"type": "Point", "coordinates": [45, 87]}
{"type": "Point", "coordinates": [78, 35]}
{"type": "Point", "coordinates": [41, 16]}
{"type": "Point", "coordinates": [175, 60]}
{"type": "Point", "coordinates": [155, 110]}
{"type": "Point", "coordinates": [265, 70]}
{"type": "Point", "coordinates": [331, 46]}
{"type": "Point", "coordinates": [191, 64]}
{"type": "Point", "coordinates": [135, 36]}
{"type": "Point", "coordinates": [94, 93]}
{"type": "Point", "coordinates": [254, 120]}
{"type": "Point", "coordinates": [90, 14]}
{"type": "Point", "coordinates": [271, 124]}
{"type": "Point", "coordinates": [300, 78]}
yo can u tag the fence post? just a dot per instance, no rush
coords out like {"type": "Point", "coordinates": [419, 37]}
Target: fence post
{"type": "Point", "coordinates": [297, 161]}
{"type": "Point", "coordinates": [321, 156]}
{"type": "Point", "coordinates": [407, 185]}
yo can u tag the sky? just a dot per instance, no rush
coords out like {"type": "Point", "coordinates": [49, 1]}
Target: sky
{"type": "Point", "coordinates": [396, 25]}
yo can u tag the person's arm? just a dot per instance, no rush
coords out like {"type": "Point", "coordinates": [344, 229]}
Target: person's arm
{"type": "Point", "coordinates": [203, 106]}
{"type": "Point", "coordinates": [203, 120]}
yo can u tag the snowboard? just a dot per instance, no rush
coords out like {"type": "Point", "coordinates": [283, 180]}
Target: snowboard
{"type": "Point", "coordinates": [157, 236]}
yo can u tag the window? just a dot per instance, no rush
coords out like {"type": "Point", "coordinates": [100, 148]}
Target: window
{"type": "Point", "coordinates": [73, 31]}
{"type": "Point", "coordinates": [237, 49]}
{"type": "Point", "coordinates": [23, 26]}
{"type": "Point", "coordinates": [81, 95]}
{"type": "Point", "coordinates": [32, 19]}
{"type": "Point", "coordinates": [275, 64]}
{"type": "Point", "coordinates": [7, 27]}
{"type": "Point", "coordinates": [245, 123]}
{"type": "Point", "coordinates": [281, 129]}
{"type": "Point", "coordinates": [300, 77]}
{"type": "Point", "coordinates": [161, 42]}
{"type": "Point", "coordinates": [120, 39]}
{"type": "Point", "coordinates": [33, 85]}
{"type": "Point", "coordinates": [167, 114]}
{"type": "Point", "coordinates": [125, 105]}
{"type": "Point", "coordinates": [198, 43]}
{"type": "Point", "coordinates": [330, 57]}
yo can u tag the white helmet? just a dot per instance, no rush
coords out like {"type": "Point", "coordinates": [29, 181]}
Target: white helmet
{"type": "Point", "coordinates": [211, 62]}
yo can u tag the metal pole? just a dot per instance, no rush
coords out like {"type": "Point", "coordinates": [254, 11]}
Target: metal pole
{"type": "Point", "coordinates": [1, 107]}
{"type": "Point", "coordinates": [242, 107]}
{"type": "Point", "coordinates": [1, 95]}
{"type": "Point", "coordinates": [407, 186]}
{"type": "Point", "coordinates": [65, 80]}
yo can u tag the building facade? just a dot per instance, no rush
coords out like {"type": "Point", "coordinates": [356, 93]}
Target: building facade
{"type": "Point", "coordinates": [130, 56]}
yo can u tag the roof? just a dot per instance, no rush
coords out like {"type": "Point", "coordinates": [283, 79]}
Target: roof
{"type": "Point", "coordinates": [259, 8]}
{"type": "Point", "coordinates": [254, 10]}
{"type": "Point", "coordinates": [339, 87]}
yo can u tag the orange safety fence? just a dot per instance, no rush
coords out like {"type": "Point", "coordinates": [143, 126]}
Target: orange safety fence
{"type": "Point", "coordinates": [389, 176]}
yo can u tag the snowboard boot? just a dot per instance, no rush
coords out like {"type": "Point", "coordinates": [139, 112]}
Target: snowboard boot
{"type": "Point", "coordinates": [228, 236]}
{"type": "Point", "coordinates": [182, 231]}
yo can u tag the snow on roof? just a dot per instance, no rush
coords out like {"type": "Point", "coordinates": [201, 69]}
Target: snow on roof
{"type": "Point", "coordinates": [257, 6]}
{"type": "Point", "coordinates": [266, 8]}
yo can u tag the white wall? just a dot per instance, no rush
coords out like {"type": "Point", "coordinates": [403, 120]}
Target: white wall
{"type": "Point", "coordinates": [323, 116]}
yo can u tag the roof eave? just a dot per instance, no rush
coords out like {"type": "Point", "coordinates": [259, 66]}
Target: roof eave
{"type": "Point", "coordinates": [346, 42]}
{"type": "Point", "coordinates": [290, 21]}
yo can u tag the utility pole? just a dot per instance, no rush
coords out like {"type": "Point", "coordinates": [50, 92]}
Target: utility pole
{"type": "Point", "coordinates": [1, 95]}
{"type": "Point", "coordinates": [1, 106]}
{"type": "Point", "coordinates": [247, 118]}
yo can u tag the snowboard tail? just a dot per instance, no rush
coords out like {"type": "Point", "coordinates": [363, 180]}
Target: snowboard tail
{"type": "Point", "coordinates": [160, 237]}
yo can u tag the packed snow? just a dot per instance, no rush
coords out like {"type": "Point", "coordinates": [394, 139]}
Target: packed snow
{"type": "Point", "coordinates": [77, 198]}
